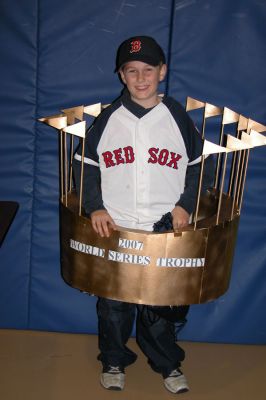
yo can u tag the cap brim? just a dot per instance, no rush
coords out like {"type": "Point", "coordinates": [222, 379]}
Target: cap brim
{"type": "Point", "coordinates": [139, 57]}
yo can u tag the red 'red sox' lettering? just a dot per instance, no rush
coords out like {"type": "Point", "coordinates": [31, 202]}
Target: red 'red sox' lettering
{"type": "Point", "coordinates": [162, 157]}
{"type": "Point", "coordinates": [126, 155]}
{"type": "Point", "coordinates": [118, 156]}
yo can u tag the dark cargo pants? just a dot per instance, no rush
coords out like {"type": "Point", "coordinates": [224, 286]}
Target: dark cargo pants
{"type": "Point", "coordinates": [155, 336]}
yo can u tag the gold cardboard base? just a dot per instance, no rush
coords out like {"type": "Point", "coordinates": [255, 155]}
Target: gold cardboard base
{"type": "Point", "coordinates": [189, 267]}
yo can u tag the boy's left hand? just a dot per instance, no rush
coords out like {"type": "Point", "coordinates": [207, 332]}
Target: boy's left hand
{"type": "Point", "coordinates": [180, 217]}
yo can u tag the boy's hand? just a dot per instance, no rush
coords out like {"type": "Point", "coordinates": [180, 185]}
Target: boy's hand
{"type": "Point", "coordinates": [180, 217]}
{"type": "Point", "coordinates": [102, 222]}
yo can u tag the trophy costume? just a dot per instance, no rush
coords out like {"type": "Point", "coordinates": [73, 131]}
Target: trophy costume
{"type": "Point", "coordinates": [137, 163]}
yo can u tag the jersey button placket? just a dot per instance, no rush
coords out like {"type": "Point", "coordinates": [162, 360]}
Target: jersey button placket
{"type": "Point", "coordinates": [141, 150]}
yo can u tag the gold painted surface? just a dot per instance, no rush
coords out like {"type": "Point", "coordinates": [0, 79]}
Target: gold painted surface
{"type": "Point", "coordinates": [94, 109]}
{"type": "Point", "coordinates": [257, 139]}
{"type": "Point", "coordinates": [219, 253]}
{"type": "Point", "coordinates": [144, 284]}
{"type": "Point", "coordinates": [242, 123]}
{"type": "Point", "coordinates": [74, 113]}
{"type": "Point", "coordinates": [193, 104]}
{"type": "Point", "coordinates": [78, 129]}
{"type": "Point", "coordinates": [246, 138]}
{"type": "Point", "coordinates": [212, 111]}
{"type": "Point", "coordinates": [229, 116]}
{"type": "Point", "coordinates": [235, 144]}
{"type": "Point", "coordinates": [256, 126]}
{"type": "Point", "coordinates": [212, 148]}
{"type": "Point", "coordinates": [58, 121]}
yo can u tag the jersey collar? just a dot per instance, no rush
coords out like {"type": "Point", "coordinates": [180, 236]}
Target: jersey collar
{"type": "Point", "coordinates": [133, 107]}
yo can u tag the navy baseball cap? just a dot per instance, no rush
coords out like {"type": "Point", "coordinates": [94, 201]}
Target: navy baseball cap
{"type": "Point", "coordinates": [139, 48]}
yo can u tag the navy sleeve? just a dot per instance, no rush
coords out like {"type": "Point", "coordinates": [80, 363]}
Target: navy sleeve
{"type": "Point", "coordinates": [194, 146]}
{"type": "Point", "coordinates": [92, 194]}
{"type": "Point", "coordinates": [94, 133]}
{"type": "Point", "coordinates": [190, 134]}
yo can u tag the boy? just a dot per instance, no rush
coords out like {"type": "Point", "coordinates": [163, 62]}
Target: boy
{"type": "Point", "coordinates": [142, 160]}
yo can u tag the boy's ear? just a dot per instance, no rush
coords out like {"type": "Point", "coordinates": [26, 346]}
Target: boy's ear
{"type": "Point", "coordinates": [122, 76]}
{"type": "Point", "coordinates": [163, 71]}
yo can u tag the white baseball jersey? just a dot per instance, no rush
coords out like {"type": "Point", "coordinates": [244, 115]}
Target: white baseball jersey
{"type": "Point", "coordinates": [142, 156]}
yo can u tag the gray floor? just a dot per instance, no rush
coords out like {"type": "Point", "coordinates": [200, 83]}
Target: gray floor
{"type": "Point", "coordinates": [54, 366]}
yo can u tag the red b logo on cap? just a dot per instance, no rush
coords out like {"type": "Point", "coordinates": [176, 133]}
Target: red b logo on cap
{"type": "Point", "coordinates": [135, 46]}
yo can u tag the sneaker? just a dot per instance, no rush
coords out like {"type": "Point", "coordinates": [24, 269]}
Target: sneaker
{"type": "Point", "coordinates": [113, 378]}
{"type": "Point", "coordinates": [176, 382]}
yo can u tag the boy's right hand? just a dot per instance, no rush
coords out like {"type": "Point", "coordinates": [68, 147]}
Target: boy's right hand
{"type": "Point", "coordinates": [102, 222]}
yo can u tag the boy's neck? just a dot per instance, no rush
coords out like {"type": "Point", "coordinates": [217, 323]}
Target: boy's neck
{"type": "Point", "coordinates": [147, 103]}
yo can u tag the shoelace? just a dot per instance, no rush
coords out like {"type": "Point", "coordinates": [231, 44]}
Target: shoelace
{"type": "Point", "coordinates": [114, 370]}
{"type": "Point", "coordinates": [175, 372]}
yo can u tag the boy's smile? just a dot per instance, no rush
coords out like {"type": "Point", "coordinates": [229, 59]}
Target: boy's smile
{"type": "Point", "coordinates": [142, 81]}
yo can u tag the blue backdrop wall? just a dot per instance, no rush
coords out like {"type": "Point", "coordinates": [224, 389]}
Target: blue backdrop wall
{"type": "Point", "coordinates": [58, 54]}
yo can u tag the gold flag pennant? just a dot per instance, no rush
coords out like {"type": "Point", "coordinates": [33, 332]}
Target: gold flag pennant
{"type": "Point", "coordinates": [256, 126]}
{"type": "Point", "coordinates": [212, 111]}
{"type": "Point", "coordinates": [245, 137]}
{"type": "Point", "coordinates": [74, 113]}
{"type": "Point", "coordinates": [94, 109]}
{"type": "Point", "coordinates": [230, 116]}
{"type": "Point", "coordinates": [257, 138]}
{"type": "Point", "coordinates": [212, 148]}
{"type": "Point", "coordinates": [78, 129]}
{"type": "Point", "coordinates": [242, 123]}
{"type": "Point", "coordinates": [193, 104]}
{"type": "Point", "coordinates": [235, 144]}
{"type": "Point", "coordinates": [58, 121]}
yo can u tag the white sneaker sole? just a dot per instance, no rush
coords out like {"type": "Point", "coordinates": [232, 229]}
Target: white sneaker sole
{"type": "Point", "coordinates": [113, 381]}
{"type": "Point", "coordinates": [176, 385]}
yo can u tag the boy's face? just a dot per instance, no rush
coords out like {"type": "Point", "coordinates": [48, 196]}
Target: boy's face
{"type": "Point", "coordinates": [142, 81]}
